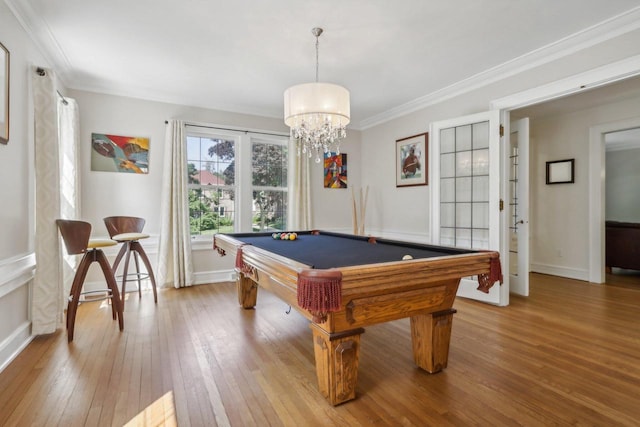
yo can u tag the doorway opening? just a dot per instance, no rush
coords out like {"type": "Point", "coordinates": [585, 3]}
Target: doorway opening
{"type": "Point", "coordinates": [621, 95]}
{"type": "Point", "coordinates": [622, 208]}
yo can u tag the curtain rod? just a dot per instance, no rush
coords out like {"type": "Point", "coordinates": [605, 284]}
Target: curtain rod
{"type": "Point", "coordinates": [64, 100]}
{"type": "Point", "coordinates": [41, 72]}
{"type": "Point", "coordinates": [246, 131]}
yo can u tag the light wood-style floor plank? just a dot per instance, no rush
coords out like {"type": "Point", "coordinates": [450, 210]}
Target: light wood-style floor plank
{"type": "Point", "coordinates": [566, 355]}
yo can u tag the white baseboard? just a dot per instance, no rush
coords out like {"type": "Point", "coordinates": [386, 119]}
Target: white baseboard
{"type": "Point", "coordinates": [404, 236]}
{"type": "Point", "coordinates": [14, 344]}
{"type": "Point", "coordinates": [555, 270]}
{"type": "Point", "coordinates": [215, 277]}
{"type": "Point", "coordinates": [201, 278]}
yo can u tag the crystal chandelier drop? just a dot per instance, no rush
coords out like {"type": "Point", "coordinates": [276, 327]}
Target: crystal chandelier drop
{"type": "Point", "coordinates": [317, 114]}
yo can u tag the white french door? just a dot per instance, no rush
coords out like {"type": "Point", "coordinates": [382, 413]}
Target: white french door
{"type": "Point", "coordinates": [465, 166]}
{"type": "Point", "coordinates": [518, 215]}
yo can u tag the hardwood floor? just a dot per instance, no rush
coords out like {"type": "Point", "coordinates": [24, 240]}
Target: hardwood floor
{"type": "Point", "coordinates": [567, 355]}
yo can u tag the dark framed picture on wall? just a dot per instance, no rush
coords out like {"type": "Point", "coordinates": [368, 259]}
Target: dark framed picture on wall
{"type": "Point", "coordinates": [560, 171]}
{"type": "Point", "coordinates": [4, 94]}
{"type": "Point", "coordinates": [411, 160]}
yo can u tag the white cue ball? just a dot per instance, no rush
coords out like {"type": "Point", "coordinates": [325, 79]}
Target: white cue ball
{"type": "Point", "coordinates": [407, 257]}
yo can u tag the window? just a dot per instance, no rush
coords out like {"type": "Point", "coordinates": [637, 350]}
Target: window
{"type": "Point", "coordinates": [269, 185]}
{"type": "Point", "coordinates": [211, 184]}
{"type": "Point", "coordinates": [237, 181]}
{"type": "Point", "coordinates": [219, 210]}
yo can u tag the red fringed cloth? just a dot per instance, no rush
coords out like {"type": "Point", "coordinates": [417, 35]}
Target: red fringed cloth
{"type": "Point", "coordinates": [239, 258]}
{"type": "Point", "coordinates": [241, 265]}
{"type": "Point", "coordinates": [319, 292]}
{"type": "Point", "coordinates": [486, 281]}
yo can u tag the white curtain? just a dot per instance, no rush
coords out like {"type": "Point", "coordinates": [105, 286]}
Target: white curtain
{"type": "Point", "coordinates": [175, 266]}
{"type": "Point", "coordinates": [299, 215]}
{"type": "Point", "coordinates": [68, 122]}
{"type": "Point", "coordinates": [46, 308]}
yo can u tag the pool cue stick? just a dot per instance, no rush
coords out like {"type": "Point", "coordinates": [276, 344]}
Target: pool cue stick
{"type": "Point", "coordinates": [360, 224]}
{"type": "Point", "coordinates": [363, 210]}
{"type": "Point", "coordinates": [354, 214]}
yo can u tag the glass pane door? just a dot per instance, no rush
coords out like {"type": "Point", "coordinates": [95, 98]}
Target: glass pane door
{"type": "Point", "coordinates": [466, 170]}
{"type": "Point", "coordinates": [513, 204]}
{"type": "Point", "coordinates": [518, 214]}
{"type": "Point", "coordinates": [464, 186]}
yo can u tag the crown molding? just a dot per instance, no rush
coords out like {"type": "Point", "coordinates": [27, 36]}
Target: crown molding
{"type": "Point", "coordinates": [145, 95]}
{"type": "Point", "coordinates": [615, 71]}
{"type": "Point", "coordinates": [606, 30]}
{"type": "Point", "coordinates": [628, 21]}
{"type": "Point", "coordinates": [41, 35]}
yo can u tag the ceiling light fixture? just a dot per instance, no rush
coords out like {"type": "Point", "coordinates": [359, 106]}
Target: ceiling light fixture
{"type": "Point", "coordinates": [317, 114]}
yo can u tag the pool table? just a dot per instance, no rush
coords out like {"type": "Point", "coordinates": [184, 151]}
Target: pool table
{"type": "Point", "coordinates": [342, 282]}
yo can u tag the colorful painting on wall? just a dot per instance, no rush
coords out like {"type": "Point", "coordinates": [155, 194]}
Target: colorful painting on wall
{"type": "Point", "coordinates": [113, 153]}
{"type": "Point", "coordinates": [335, 170]}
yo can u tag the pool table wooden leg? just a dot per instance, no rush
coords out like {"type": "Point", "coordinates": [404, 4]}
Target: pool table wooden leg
{"type": "Point", "coordinates": [430, 335]}
{"type": "Point", "coordinates": [337, 358]}
{"type": "Point", "coordinates": [247, 291]}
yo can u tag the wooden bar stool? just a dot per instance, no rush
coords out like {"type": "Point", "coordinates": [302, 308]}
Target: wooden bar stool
{"type": "Point", "coordinates": [128, 231]}
{"type": "Point", "coordinates": [77, 239]}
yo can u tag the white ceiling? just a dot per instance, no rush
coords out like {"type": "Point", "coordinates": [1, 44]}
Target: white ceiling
{"type": "Point", "coordinates": [240, 55]}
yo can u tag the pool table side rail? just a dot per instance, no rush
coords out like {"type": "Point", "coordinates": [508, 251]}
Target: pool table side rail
{"type": "Point", "coordinates": [423, 270]}
{"type": "Point", "coordinates": [405, 283]}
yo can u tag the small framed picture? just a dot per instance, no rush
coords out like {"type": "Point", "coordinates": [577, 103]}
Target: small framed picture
{"type": "Point", "coordinates": [4, 94]}
{"type": "Point", "coordinates": [412, 160]}
{"type": "Point", "coordinates": [560, 172]}
{"type": "Point", "coordinates": [115, 153]}
{"type": "Point", "coordinates": [335, 170]}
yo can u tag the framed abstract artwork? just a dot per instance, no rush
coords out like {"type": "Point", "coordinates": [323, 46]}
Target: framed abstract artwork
{"type": "Point", "coordinates": [114, 153]}
{"type": "Point", "coordinates": [335, 170]}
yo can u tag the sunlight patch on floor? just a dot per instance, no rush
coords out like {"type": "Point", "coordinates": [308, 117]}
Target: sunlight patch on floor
{"type": "Point", "coordinates": [162, 412]}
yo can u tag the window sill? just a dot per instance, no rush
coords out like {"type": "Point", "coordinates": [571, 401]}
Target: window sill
{"type": "Point", "coordinates": [202, 243]}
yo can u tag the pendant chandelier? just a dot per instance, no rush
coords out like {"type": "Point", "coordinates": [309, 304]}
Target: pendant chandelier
{"type": "Point", "coordinates": [317, 114]}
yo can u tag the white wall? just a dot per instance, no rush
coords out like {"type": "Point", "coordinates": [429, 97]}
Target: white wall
{"type": "Point", "coordinates": [391, 211]}
{"type": "Point", "coordinates": [405, 212]}
{"type": "Point", "coordinates": [105, 193]}
{"type": "Point", "coordinates": [559, 215]}
{"type": "Point", "coordinates": [109, 193]}
{"type": "Point", "coordinates": [623, 185]}
{"type": "Point", "coordinates": [16, 192]}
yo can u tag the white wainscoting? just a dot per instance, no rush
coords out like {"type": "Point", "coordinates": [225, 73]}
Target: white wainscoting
{"type": "Point", "coordinates": [16, 276]}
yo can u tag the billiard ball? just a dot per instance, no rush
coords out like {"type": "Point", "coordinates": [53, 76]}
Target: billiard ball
{"type": "Point", "coordinates": [406, 257]}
